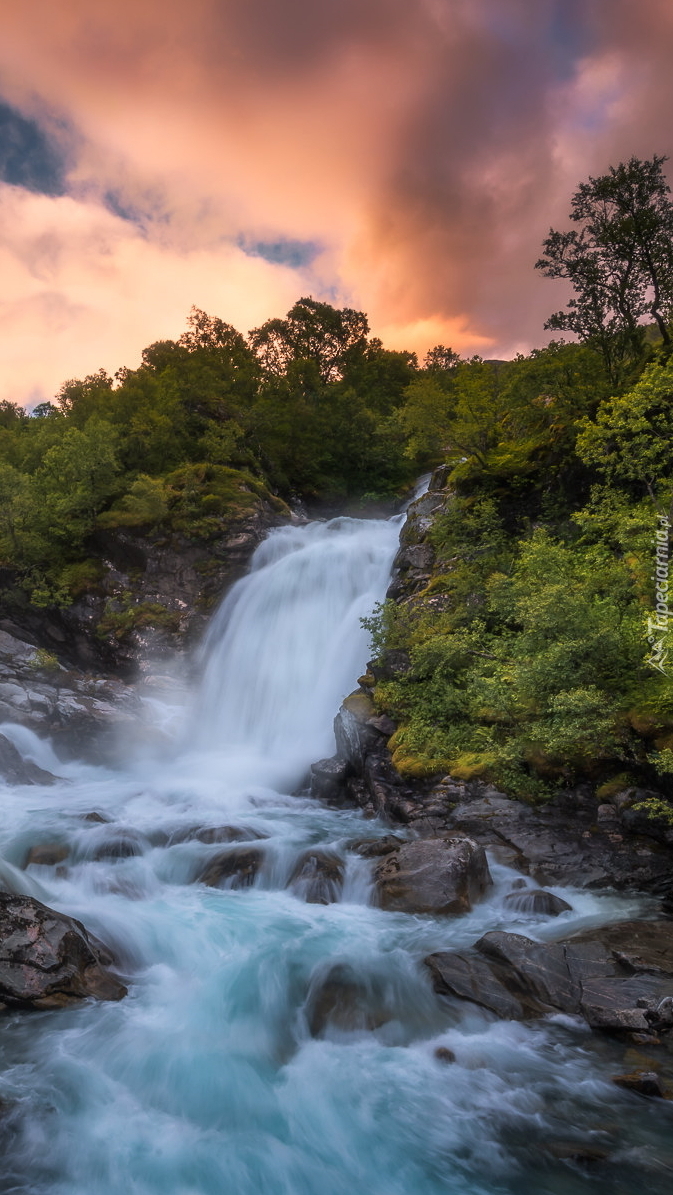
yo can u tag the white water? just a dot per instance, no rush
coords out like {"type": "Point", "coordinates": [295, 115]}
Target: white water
{"type": "Point", "coordinates": [205, 1080]}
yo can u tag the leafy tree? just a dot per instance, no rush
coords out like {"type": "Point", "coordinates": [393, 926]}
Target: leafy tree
{"type": "Point", "coordinates": [440, 359]}
{"type": "Point", "coordinates": [630, 442]}
{"type": "Point", "coordinates": [619, 261]}
{"type": "Point", "coordinates": [311, 331]}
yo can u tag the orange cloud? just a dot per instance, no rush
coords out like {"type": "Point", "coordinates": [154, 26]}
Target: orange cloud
{"type": "Point", "coordinates": [425, 149]}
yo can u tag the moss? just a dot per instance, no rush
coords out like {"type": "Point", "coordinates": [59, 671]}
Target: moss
{"type": "Point", "coordinates": [136, 617]}
{"type": "Point", "coordinates": [616, 784]}
{"type": "Point", "coordinates": [360, 705]}
{"type": "Point", "coordinates": [473, 766]}
{"type": "Point", "coordinates": [44, 661]}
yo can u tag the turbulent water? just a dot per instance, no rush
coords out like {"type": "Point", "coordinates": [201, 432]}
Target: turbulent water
{"type": "Point", "coordinates": [206, 1080]}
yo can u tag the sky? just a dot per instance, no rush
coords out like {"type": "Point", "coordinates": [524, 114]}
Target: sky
{"type": "Point", "coordinates": [404, 157]}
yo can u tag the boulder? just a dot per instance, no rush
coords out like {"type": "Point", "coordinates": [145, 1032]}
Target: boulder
{"type": "Point", "coordinates": [615, 978]}
{"type": "Point", "coordinates": [536, 900]}
{"type": "Point", "coordinates": [647, 1083]}
{"type": "Point", "coordinates": [17, 770]}
{"type": "Point", "coordinates": [214, 834]}
{"type": "Point", "coordinates": [374, 848]}
{"type": "Point", "coordinates": [120, 846]}
{"type": "Point", "coordinates": [345, 1001]}
{"type": "Point", "coordinates": [317, 877]}
{"type": "Point", "coordinates": [432, 875]}
{"type": "Point", "coordinates": [232, 869]}
{"type": "Point", "coordinates": [48, 960]}
{"type": "Point", "coordinates": [328, 778]}
{"type": "Point", "coordinates": [49, 855]}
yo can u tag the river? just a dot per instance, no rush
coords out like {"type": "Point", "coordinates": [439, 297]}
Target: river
{"type": "Point", "coordinates": [206, 1079]}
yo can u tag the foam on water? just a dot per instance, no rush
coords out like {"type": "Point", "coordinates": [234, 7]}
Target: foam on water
{"type": "Point", "coordinates": [206, 1080]}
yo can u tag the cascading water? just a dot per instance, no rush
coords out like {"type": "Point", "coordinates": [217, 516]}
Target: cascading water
{"type": "Point", "coordinates": [214, 1075]}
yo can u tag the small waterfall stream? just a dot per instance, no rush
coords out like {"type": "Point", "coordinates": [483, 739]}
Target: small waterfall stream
{"type": "Point", "coordinates": [216, 1076]}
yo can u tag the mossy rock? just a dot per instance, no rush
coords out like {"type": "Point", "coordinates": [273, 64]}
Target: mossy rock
{"type": "Point", "coordinates": [611, 787]}
{"type": "Point", "coordinates": [360, 705]}
{"type": "Point", "coordinates": [648, 724]}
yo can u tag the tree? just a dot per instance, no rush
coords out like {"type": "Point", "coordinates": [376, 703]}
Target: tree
{"type": "Point", "coordinates": [630, 442]}
{"type": "Point", "coordinates": [311, 331]}
{"type": "Point", "coordinates": [619, 261]}
{"type": "Point", "coordinates": [440, 359]}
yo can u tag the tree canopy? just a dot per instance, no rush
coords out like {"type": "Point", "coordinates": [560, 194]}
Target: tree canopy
{"type": "Point", "coordinates": [619, 261]}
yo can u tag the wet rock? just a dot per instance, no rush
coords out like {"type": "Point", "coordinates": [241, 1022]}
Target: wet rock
{"type": "Point", "coordinates": [645, 1083]}
{"type": "Point", "coordinates": [614, 977]}
{"type": "Point", "coordinates": [17, 770]}
{"type": "Point", "coordinates": [561, 843]}
{"type": "Point", "coordinates": [345, 1001]}
{"type": "Point", "coordinates": [374, 848]}
{"type": "Point", "coordinates": [441, 875]}
{"type": "Point", "coordinates": [328, 778]}
{"type": "Point", "coordinates": [580, 1154]}
{"type": "Point", "coordinates": [120, 846]}
{"type": "Point", "coordinates": [443, 1054]}
{"type": "Point", "coordinates": [232, 869]}
{"type": "Point", "coordinates": [49, 855]}
{"type": "Point", "coordinates": [214, 834]}
{"type": "Point", "coordinates": [317, 877]}
{"type": "Point", "coordinates": [536, 900]}
{"type": "Point", "coordinates": [355, 737]}
{"type": "Point", "coordinates": [48, 960]}
{"type": "Point", "coordinates": [95, 817]}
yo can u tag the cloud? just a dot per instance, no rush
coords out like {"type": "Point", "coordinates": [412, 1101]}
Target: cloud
{"type": "Point", "coordinates": [405, 159]}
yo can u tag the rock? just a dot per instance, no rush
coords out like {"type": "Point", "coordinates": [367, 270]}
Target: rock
{"type": "Point", "coordinates": [214, 834]}
{"type": "Point", "coordinates": [374, 848]}
{"type": "Point", "coordinates": [17, 770]}
{"type": "Point", "coordinates": [560, 843]}
{"type": "Point", "coordinates": [443, 1054]}
{"type": "Point", "coordinates": [232, 869]}
{"type": "Point", "coordinates": [393, 663]}
{"type": "Point", "coordinates": [48, 960]}
{"type": "Point", "coordinates": [120, 846]}
{"type": "Point", "coordinates": [317, 877]}
{"type": "Point", "coordinates": [345, 1001]}
{"type": "Point", "coordinates": [574, 1151]}
{"type": "Point", "coordinates": [355, 738]}
{"type": "Point", "coordinates": [49, 855]}
{"type": "Point", "coordinates": [645, 1083]}
{"type": "Point", "coordinates": [536, 900]}
{"type": "Point", "coordinates": [328, 778]}
{"type": "Point", "coordinates": [441, 875]}
{"type": "Point", "coordinates": [615, 977]}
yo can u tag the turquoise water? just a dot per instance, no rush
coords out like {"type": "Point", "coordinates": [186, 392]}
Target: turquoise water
{"type": "Point", "coordinates": [206, 1079]}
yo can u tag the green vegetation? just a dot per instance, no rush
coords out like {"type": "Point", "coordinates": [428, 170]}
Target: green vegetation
{"type": "Point", "coordinates": [527, 650]}
{"type": "Point", "coordinates": [191, 441]}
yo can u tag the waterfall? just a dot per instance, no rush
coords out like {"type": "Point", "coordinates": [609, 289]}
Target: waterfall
{"type": "Point", "coordinates": [214, 1075]}
{"type": "Point", "coordinates": [287, 643]}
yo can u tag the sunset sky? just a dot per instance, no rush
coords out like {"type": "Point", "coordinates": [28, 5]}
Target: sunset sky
{"type": "Point", "coordinates": [405, 157]}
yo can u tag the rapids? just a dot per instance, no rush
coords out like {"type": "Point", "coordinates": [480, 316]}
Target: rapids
{"type": "Point", "coordinates": [206, 1080]}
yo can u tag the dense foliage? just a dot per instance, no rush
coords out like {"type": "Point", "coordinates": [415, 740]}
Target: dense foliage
{"type": "Point", "coordinates": [533, 657]}
{"type": "Point", "coordinates": [304, 407]}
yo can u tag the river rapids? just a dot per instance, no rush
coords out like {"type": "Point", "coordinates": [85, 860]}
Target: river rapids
{"type": "Point", "coordinates": [207, 1078]}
